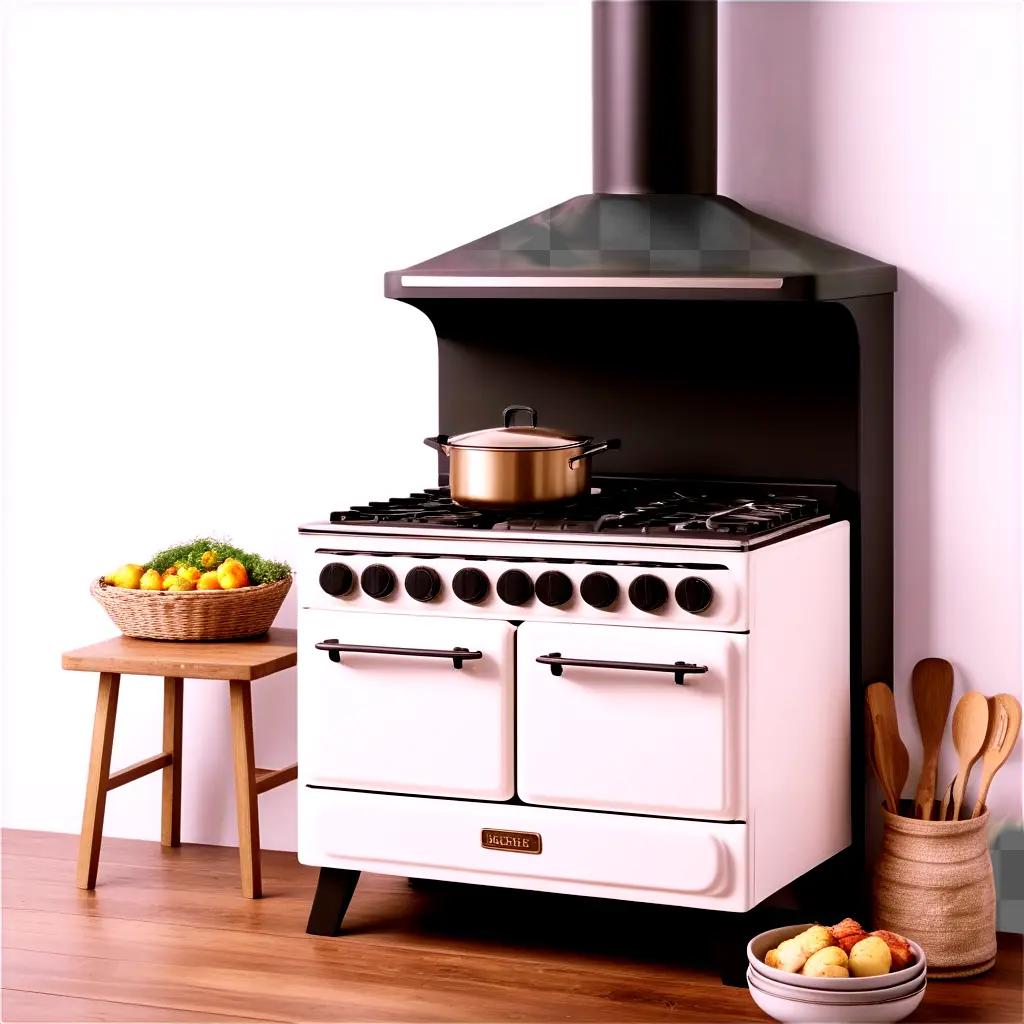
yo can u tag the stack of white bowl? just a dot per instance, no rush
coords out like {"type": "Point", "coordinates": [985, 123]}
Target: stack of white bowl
{"type": "Point", "coordinates": [796, 999]}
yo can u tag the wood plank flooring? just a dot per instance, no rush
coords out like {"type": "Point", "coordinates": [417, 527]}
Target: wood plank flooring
{"type": "Point", "coordinates": [166, 936]}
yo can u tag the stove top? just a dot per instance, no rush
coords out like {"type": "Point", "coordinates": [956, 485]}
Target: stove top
{"type": "Point", "coordinates": [670, 509]}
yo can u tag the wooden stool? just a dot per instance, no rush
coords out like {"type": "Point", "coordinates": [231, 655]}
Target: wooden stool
{"type": "Point", "coordinates": [238, 662]}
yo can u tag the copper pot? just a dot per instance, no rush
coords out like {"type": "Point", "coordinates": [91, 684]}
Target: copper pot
{"type": "Point", "coordinates": [512, 466]}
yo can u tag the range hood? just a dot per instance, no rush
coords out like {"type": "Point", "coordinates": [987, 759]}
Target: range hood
{"type": "Point", "coordinates": [654, 226]}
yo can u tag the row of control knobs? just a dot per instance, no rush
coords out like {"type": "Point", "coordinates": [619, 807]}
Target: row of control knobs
{"type": "Point", "coordinates": [515, 587]}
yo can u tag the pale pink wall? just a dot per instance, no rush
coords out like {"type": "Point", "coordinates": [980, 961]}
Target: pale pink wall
{"type": "Point", "coordinates": [895, 128]}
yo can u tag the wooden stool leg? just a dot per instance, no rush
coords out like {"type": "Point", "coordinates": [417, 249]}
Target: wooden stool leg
{"type": "Point", "coordinates": [245, 788]}
{"type": "Point", "coordinates": [99, 776]}
{"type": "Point", "coordinates": [170, 815]}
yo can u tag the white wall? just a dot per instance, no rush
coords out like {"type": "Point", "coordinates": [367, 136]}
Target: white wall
{"type": "Point", "coordinates": [895, 129]}
{"type": "Point", "coordinates": [200, 202]}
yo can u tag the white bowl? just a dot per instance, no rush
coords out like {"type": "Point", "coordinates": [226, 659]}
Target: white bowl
{"type": "Point", "coordinates": [760, 944]}
{"type": "Point", "coordinates": [838, 998]}
{"type": "Point", "coordinates": [792, 1010]}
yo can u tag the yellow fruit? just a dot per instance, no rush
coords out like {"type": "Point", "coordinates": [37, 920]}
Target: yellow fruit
{"type": "Point", "coordinates": [870, 957]}
{"type": "Point", "coordinates": [790, 956]}
{"type": "Point", "coordinates": [189, 572]}
{"type": "Point", "coordinates": [819, 964]}
{"type": "Point", "coordinates": [208, 581]}
{"type": "Point", "coordinates": [151, 580]}
{"type": "Point", "coordinates": [814, 938]}
{"type": "Point", "coordinates": [833, 971]}
{"type": "Point", "coordinates": [178, 583]}
{"type": "Point", "coordinates": [208, 560]}
{"type": "Point", "coordinates": [128, 576]}
{"type": "Point", "coordinates": [231, 574]}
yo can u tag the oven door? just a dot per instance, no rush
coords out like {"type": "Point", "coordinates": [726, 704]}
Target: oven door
{"type": "Point", "coordinates": [624, 735]}
{"type": "Point", "coordinates": [404, 704]}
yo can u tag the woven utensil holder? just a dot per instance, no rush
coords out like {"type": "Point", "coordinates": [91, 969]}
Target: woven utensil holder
{"type": "Point", "coordinates": [933, 884]}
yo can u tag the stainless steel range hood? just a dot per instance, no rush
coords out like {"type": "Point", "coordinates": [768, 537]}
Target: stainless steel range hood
{"type": "Point", "coordinates": [654, 226]}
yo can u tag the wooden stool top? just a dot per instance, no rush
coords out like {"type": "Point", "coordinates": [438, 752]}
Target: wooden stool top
{"type": "Point", "coordinates": [200, 659]}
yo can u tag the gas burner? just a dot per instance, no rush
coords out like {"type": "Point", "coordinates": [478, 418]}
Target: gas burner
{"type": "Point", "coordinates": [617, 506]}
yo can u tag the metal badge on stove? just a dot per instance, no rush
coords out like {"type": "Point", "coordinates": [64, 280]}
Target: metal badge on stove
{"type": "Point", "coordinates": [510, 842]}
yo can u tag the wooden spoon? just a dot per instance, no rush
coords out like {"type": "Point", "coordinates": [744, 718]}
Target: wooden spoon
{"type": "Point", "coordinates": [932, 685]}
{"type": "Point", "coordinates": [1002, 736]}
{"type": "Point", "coordinates": [970, 729]}
{"type": "Point", "coordinates": [946, 800]}
{"type": "Point", "coordinates": [894, 761]}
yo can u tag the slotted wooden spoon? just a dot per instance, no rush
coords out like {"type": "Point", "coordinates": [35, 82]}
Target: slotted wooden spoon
{"type": "Point", "coordinates": [932, 686]}
{"type": "Point", "coordinates": [970, 729]}
{"type": "Point", "coordinates": [891, 755]}
{"type": "Point", "coordinates": [1004, 727]}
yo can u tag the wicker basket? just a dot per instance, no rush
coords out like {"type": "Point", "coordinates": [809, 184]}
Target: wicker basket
{"type": "Point", "coordinates": [192, 614]}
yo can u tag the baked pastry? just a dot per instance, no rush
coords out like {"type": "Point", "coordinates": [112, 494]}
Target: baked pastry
{"type": "Point", "coordinates": [847, 933]}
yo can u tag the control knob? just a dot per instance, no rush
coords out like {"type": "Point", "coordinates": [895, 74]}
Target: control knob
{"type": "Point", "coordinates": [648, 593]}
{"type": "Point", "coordinates": [470, 585]}
{"type": "Point", "coordinates": [599, 590]}
{"type": "Point", "coordinates": [694, 594]}
{"type": "Point", "coordinates": [336, 579]}
{"type": "Point", "coordinates": [515, 587]}
{"type": "Point", "coordinates": [554, 588]}
{"type": "Point", "coordinates": [422, 583]}
{"type": "Point", "coordinates": [377, 580]}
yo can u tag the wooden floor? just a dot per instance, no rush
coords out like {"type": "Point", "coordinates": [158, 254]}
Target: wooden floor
{"type": "Point", "coordinates": [167, 937]}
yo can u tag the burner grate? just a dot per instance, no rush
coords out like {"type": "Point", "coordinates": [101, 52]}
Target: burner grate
{"type": "Point", "coordinates": [616, 507]}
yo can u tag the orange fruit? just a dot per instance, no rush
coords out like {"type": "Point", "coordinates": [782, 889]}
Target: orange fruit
{"type": "Point", "coordinates": [208, 581]}
{"type": "Point", "coordinates": [151, 580]}
{"type": "Point", "coordinates": [231, 574]}
{"type": "Point", "coordinates": [178, 583]}
{"type": "Point", "coordinates": [190, 573]}
{"type": "Point", "coordinates": [208, 559]}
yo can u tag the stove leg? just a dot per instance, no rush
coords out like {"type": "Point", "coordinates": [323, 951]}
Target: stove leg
{"type": "Point", "coordinates": [732, 934]}
{"type": "Point", "coordinates": [333, 894]}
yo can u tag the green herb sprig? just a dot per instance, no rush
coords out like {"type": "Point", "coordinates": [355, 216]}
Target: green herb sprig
{"type": "Point", "coordinates": [259, 569]}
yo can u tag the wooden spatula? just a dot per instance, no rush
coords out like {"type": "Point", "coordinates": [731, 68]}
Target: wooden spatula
{"type": "Point", "coordinates": [1004, 727]}
{"type": "Point", "coordinates": [970, 729]}
{"type": "Point", "coordinates": [891, 754]}
{"type": "Point", "coordinates": [932, 686]}
{"type": "Point", "coordinates": [879, 759]}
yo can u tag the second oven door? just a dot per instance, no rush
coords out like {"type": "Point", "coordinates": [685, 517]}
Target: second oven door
{"type": "Point", "coordinates": [627, 739]}
{"type": "Point", "coordinates": [399, 722]}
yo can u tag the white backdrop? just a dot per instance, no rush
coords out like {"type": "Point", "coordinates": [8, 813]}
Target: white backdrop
{"type": "Point", "coordinates": [200, 203]}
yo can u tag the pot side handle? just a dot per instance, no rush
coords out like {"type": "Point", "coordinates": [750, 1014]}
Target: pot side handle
{"type": "Point", "coordinates": [594, 448]}
{"type": "Point", "coordinates": [439, 444]}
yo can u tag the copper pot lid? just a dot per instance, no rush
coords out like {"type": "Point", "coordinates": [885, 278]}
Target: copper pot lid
{"type": "Point", "coordinates": [518, 437]}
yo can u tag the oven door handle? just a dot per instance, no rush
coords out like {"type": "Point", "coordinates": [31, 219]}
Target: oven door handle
{"type": "Point", "coordinates": [457, 654]}
{"type": "Point", "coordinates": [681, 669]}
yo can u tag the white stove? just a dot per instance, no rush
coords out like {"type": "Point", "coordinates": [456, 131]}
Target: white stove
{"type": "Point", "coordinates": [644, 695]}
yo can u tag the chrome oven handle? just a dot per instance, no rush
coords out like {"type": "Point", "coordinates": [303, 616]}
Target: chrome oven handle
{"type": "Point", "coordinates": [681, 669]}
{"type": "Point", "coordinates": [457, 654]}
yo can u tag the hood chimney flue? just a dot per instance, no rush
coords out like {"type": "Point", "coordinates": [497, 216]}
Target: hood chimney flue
{"type": "Point", "coordinates": [655, 95]}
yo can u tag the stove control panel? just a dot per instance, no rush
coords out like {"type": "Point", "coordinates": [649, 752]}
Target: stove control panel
{"type": "Point", "coordinates": [694, 595]}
